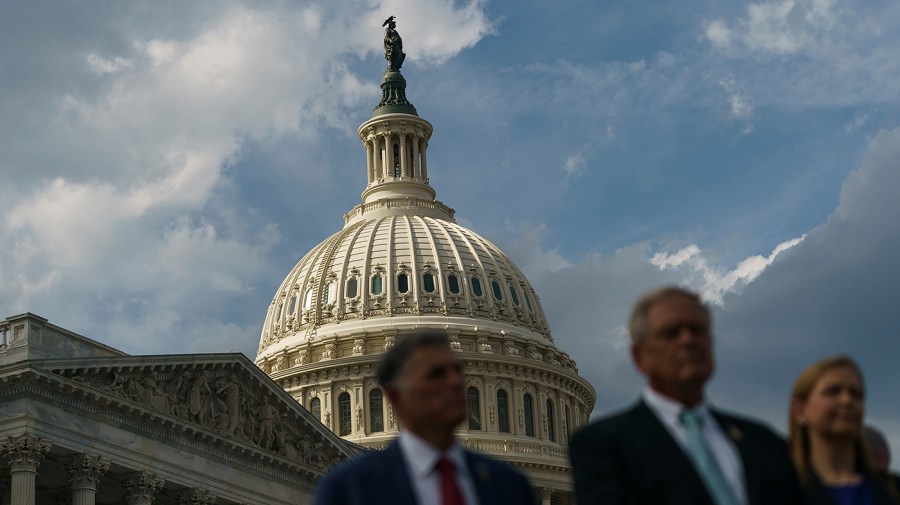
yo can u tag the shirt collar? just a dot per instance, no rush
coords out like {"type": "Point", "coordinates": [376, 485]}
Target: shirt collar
{"type": "Point", "coordinates": [422, 456]}
{"type": "Point", "coordinates": [670, 409]}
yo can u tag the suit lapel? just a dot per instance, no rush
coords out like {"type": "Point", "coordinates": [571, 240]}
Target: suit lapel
{"type": "Point", "coordinates": [400, 480]}
{"type": "Point", "coordinates": [666, 449]}
{"type": "Point", "coordinates": [753, 483]}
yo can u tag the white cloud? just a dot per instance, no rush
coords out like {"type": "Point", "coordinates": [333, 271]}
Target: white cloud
{"type": "Point", "coordinates": [574, 167]}
{"type": "Point", "coordinates": [117, 228]}
{"type": "Point", "coordinates": [741, 103]}
{"type": "Point", "coordinates": [858, 121]}
{"type": "Point", "coordinates": [718, 33]}
{"type": "Point", "coordinates": [713, 281]}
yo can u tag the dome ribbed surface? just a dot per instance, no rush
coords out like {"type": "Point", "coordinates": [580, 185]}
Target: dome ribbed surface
{"type": "Point", "coordinates": [381, 268]}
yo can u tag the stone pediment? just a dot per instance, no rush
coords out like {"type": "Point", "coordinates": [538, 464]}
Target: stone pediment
{"type": "Point", "coordinates": [221, 399]}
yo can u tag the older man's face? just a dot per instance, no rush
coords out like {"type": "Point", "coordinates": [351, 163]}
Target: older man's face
{"type": "Point", "coordinates": [430, 391]}
{"type": "Point", "coordinates": [676, 353]}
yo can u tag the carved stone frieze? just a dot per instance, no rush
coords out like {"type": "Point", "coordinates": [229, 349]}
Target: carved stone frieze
{"type": "Point", "coordinates": [223, 400]}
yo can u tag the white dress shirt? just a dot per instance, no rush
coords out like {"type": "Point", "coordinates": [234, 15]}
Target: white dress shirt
{"type": "Point", "coordinates": [421, 460]}
{"type": "Point", "coordinates": [668, 411]}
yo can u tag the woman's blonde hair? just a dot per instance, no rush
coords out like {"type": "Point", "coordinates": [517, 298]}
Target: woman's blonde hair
{"type": "Point", "coordinates": [798, 435]}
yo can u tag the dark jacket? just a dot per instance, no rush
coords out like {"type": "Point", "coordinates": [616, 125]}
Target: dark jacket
{"type": "Point", "coordinates": [631, 458]}
{"type": "Point", "coordinates": [382, 478]}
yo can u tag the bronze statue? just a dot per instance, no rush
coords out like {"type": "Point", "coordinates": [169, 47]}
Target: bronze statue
{"type": "Point", "coordinates": [393, 46]}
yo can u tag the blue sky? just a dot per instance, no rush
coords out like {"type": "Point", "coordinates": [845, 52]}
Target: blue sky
{"type": "Point", "coordinates": [165, 165]}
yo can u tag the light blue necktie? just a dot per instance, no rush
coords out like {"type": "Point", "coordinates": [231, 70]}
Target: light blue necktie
{"type": "Point", "coordinates": [704, 461]}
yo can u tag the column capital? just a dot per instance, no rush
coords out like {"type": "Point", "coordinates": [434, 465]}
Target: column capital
{"type": "Point", "coordinates": [196, 496]}
{"type": "Point", "coordinates": [24, 452]}
{"type": "Point", "coordinates": [85, 470]}
{"type": "Point", "coordinates": [142, 486]}
{"type": "Point", "coordinates": [546, 493]}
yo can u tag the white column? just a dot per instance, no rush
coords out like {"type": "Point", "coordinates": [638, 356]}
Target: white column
{"type": "Point", "coordinates": [370, 162]}
{"type": "Point", "coordinates": [85, 471]}
{"type": "Point", "coordinates": [404, 158]}
{"type": "Point", "coordinates": [24, 454]}
{"type": "Point", "coordinates": [424, 160]}
{"type": "Point", "coordinates": [415, 166]}
{"type": "Point", "coordinates": [389, 148]}
{"type": "Point", "coordinates": [141, 487]}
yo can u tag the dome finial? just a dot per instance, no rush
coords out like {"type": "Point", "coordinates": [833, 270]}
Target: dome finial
{"type": "Point", "coordinates": [393, 86]}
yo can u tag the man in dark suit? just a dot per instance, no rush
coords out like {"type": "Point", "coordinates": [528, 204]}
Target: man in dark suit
{"type": "Point", "coordinates": [672, 448]}
{"type": "Point", "coordinates": [426, 465]}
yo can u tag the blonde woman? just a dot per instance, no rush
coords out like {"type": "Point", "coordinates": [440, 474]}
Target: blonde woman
{"type": "Point", "coordinates": [826, 437]}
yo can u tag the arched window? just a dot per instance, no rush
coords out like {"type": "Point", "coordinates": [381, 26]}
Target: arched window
{"type": "Point", "coordinates": [292, 305]}
{"type": "Point", "coordinates": [528, 302]}
{"type": "Point", "coordinates": [503, 411]}
{"type": "Point", "coordinates": [345, 423]}
{"type": "Point", "coordinates": [396, 160]}
{"type": "Point", "coordinates": [529, 415]}
{"type": "Point", "coordinates": [498, 293]}
{"type": "Point", "coordinates": [315, 406]}
{"type": "Point", "coordinates": [278, 312]}
{"type": "Point", "coordinates": [453, 283]}
{"type": "Point", "coordinates": [476, 287]}
{"type": "Point", "coordinates": [402, 283]}
{"type": "Point", "coordinates": [428, 283]}
{"type": "Point", "coordinates": [376, 411]}
{"type": "Point", "coordinates": [351, 287]}
{"type": "Point", "coordinates": [473, 406]}
{"type": "Point", "coordinates": [551, 425]}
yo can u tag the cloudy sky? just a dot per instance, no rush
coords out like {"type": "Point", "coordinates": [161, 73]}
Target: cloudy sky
{"type": "Point", "coordinates": [165, 164]}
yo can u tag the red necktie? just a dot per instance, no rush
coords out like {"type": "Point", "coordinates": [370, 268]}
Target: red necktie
{"type": "Point", "coordinates": [450, 493]}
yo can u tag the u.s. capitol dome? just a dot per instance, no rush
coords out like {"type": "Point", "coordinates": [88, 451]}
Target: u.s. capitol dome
{"type": "Point", "coordinates": [401, 264]}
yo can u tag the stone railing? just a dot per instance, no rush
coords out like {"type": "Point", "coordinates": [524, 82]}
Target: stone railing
{"type": "Point", "coordinates": [509, 448]}
{"type": "Point", "coordinates": [360, 210]}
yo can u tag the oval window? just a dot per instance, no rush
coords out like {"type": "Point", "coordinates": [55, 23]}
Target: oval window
{"type": "Point", "coordinates": [453, 284]}
{"type": "Point", "coordinates": [498, 294]}
{"type": "Point", "coordinates": [428, 283]}
{"type": "Point", "coordinates": [376, 285]}
{"type": "Point", "coordinates": [513, 295]}
{"type": "Point", "coordinates": [351, 288]}
{"type": "Point", "coordinates": [476, 287]}
{"type": "Point", "coordinates": [402, 283]}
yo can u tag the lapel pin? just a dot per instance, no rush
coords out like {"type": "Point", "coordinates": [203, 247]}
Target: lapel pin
{"type": "Point", "coordinates": [735, 433]}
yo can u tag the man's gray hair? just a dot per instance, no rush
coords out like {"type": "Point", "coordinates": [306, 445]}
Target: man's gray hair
{"type": "Point", "coordinates": [395, 359]}
{"type": "Point", "coordinates": [637, 323]}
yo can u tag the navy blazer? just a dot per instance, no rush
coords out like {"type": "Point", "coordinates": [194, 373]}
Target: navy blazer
{"type": "Point", "coordinates": [631, 458]}
{"type": "Point", "coordinates": [382, 478]}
